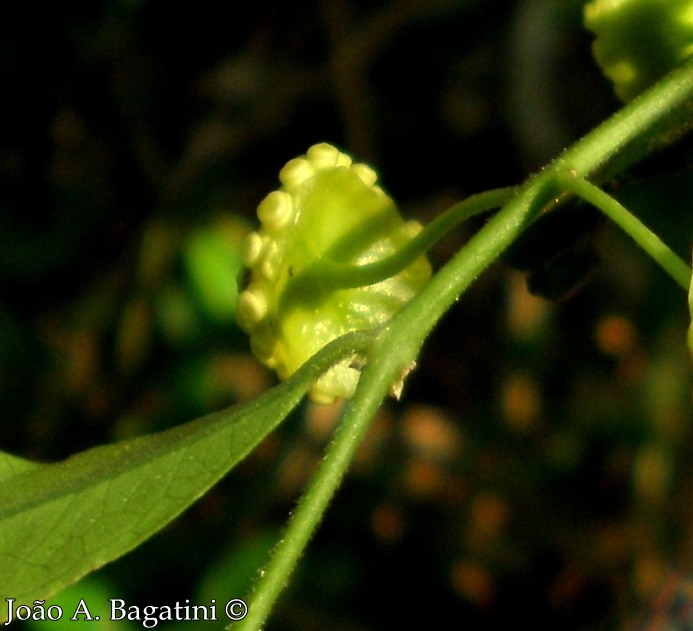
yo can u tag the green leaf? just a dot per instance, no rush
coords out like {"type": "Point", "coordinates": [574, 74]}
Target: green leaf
{"type": "Point", "coordinates": [11, 466]}
{"type": "Point", "coordinates": [60, 521]}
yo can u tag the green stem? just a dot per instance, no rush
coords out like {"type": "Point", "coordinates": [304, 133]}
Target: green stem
{"type": "Point", "coordinates": [398, 343]}
{"type": "Point", "coordinates": [311, 508]}
{"type": "Point", "coordinates": [633, 130]}
{"type": "Point", "coordinates": [347, 276]}
{"type": "Point", "coordinates": [630, 224]}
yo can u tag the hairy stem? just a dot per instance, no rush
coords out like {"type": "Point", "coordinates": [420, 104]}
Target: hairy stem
{"type": "Point", "coordinates": [330, 275]}
{"type": "Point", "coordinates": [622, 139]}
{"type": "Point", "coordinates": [348, 276]}
{"type": "Point", "coordinates": [631, 225]}
{"type": "Point", "coordinates": [311, 508]}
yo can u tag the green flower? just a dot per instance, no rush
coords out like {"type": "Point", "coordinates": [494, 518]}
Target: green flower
{"type": "Point", "coordinates": [328, 214]}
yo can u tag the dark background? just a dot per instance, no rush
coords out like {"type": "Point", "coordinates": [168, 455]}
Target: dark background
{"type": "Point", "coordinates": [536, 468]}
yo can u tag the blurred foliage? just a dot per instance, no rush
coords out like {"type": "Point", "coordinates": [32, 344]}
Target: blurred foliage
{"type": "Point", "coordinates": [538, 466]}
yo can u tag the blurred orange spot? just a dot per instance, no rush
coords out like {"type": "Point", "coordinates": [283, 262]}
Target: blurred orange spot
{"type": "Point", "coordinates": [473, 581]}
{"type": "Point", "coordinates": [422, 478]}
{"type": "Point", "coordinates": [387, 523]}
{"type": "Point", "coordinates": [525, 312]}
{"type": "Point", "coordinates": [134, 335]}
{"type": "Point", "coordinates": [615, 335]}
{"type": "Point", "coordinates": [159, 244]}
{"type": "Point", "coordinates": [242, 375]}
{"type": "Point", "coordinates": [430, 433]}
{"type": "Point", "coordinates": [489, 514]}
{"type": "Point", "coordinates": [613, 544]}
{"type": "Point", "coordinates": [298, 467]}
{"type": "Point", "coordinates": [521, 402]}
{"type": "Point", "coordinates": [648, 574]}
{"type": "Point", "coordinates": [83, 361]}
{"type": "Point", "coordinates": [321, 420]}
{"type": "Point", "coordinates": [567, 587]}
{"type": "Point", "coordinates": [652, 473]}
{"type": "Point", "coordinates": [378, 432]}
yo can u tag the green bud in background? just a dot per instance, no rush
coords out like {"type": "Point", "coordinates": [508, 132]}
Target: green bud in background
{"type": "Point", "coordinates": [639, 41]}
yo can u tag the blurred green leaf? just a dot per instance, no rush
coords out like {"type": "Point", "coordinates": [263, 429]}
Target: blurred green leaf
{"type": "Point", "coordinates": [212, 261]}
{"type": "Point", "coordinates": [232, 573]}
{"type": "Point", "coordinates": [93, 593]}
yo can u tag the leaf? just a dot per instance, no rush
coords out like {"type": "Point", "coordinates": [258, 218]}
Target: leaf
{"type": "Point", "coordinates": [60, 521]}
{"type": "Point", "coordinates": [11, 466]}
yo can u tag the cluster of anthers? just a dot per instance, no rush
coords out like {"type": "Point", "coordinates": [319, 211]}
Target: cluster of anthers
{"type": "Point", "coordinates": [327, 212]}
